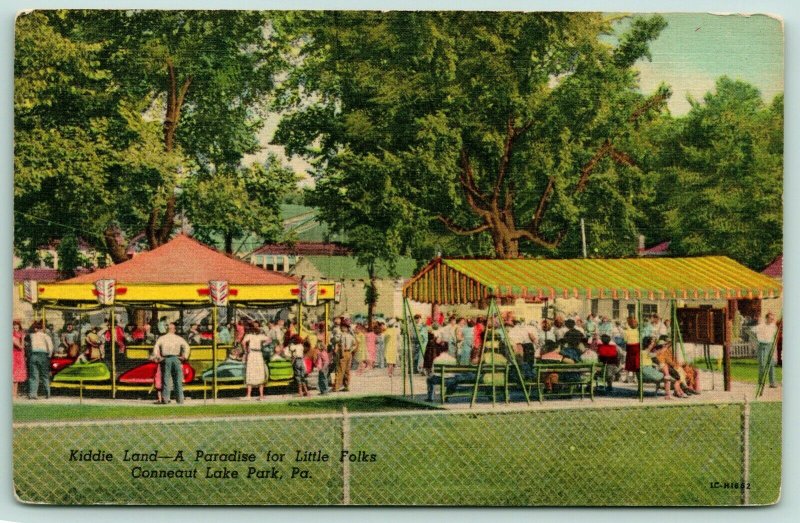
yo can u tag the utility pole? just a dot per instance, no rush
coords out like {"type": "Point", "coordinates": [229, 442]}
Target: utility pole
{"type": "Point", "coordinates": [583, 237]}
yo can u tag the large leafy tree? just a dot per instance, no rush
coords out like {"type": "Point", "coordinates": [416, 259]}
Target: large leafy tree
{"type": "Point", "coordinates": [721, 191]}
{"type": "Point", "coordinates": [510, 126]}
{"type": "Point", "coordinates": [86, 162]}
{"type": "Point", "coordinates": [133, 104]}
{"type": "Point", "coordinates": [239, 202]}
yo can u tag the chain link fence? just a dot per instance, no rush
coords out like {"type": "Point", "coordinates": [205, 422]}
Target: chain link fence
{"type": "Point", "coordinates": [679, 454]}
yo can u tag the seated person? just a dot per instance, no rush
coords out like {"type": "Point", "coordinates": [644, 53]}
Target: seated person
{"type": "Point", "coordinates": [686, 376]}
{"type": "Point", "coordinates": [69, 341]}
{"type": "Point", "coordinates": [434, 348]}
{"type": "Point", "coordinates": [555, 356]}
{"type": "Point", "coordinates": [654, 371]}
{"type": "Point", "coordinates": [93, 350]}
{"type": "Point", "coordinates": [193, 336]}
{"type": "Point", "coordinates": [443, 358]}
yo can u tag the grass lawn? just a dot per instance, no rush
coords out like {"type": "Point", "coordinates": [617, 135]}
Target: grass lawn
{"type": "Point", "coordinates": [628, 456]}
{"type": "Point", "coordinates": [44, 411]}
{"type": "Point", "coordinates": [747, 370]}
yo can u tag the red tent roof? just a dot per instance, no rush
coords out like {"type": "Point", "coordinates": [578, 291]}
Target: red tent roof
{"type": "Point", "coordinates": [185, 260]}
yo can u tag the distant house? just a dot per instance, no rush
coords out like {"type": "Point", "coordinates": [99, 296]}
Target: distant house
{"type": "Point", "coordinates": [659, 249]}
{"type": "Point", "coordinates": [355, 278]}
{"type": "Point", "coordinates": [48, 254]}
{"type": "Point", "coordinates": [282, 257]}
{"type": "Point", "coordinates": [775, 268]}
{"type": "Point", "coordinates": [23, 310]}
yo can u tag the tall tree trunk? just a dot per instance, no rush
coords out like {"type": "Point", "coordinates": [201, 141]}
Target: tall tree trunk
{"type": "Point", "coordinates": [372, 294]}
{"type": "Point", "coordinates": [159, 234]}
{"type": "Point", "coordinates": [115, 245]}
{"type": "Point", "coordinates": [228, 243]}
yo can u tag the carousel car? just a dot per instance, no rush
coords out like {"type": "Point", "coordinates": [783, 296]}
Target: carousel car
{"type": "Point", "coordinates": [57, 364]}
{"type": "Point", "coordinates": [78, 371]}
{"type": "Point", "coordinates": [279, 370]}
{"type": "Point", "coordinates": [229, 370]}
{"type": "Point", "coordinates": [145, 374]}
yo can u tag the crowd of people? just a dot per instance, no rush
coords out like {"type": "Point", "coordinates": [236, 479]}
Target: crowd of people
{"type": "Point", "coordinates": [619, 349]}
{"type": "Point", "coordinates": [359, 349]}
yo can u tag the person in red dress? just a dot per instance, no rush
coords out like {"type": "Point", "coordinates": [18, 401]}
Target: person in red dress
{"type": "Point", "coordinates": [20, 368]}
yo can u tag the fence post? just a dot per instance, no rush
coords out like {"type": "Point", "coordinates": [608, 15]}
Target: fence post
{"type": "Point", "coordinates": [745, 451]}
{"type": "Point", "coordinates": [345, 462]}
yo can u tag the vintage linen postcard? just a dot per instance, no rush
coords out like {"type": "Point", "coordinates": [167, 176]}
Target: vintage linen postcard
{"type": "Point", "coordinates": [397, 258]}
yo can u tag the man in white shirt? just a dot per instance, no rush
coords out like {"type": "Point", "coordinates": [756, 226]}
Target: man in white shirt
{"type": "Point", "coordinates": [172, 350]}
{"type": "Point", "coordinates": [39, 363]}
{"type": "Point", "coordinates": [765, 333]}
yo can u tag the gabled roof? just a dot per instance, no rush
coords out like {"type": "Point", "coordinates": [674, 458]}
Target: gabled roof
{"type": "Point", "coordinates": [40, 274]}
{"type": "Point", "coordinates": [449, 281]}
{"type": "Point", "coordinates": [185, 260]}
{"type": "Point", "coordinates": [660, 249]}
{"type": "Point", "coordinates": [774, 269]}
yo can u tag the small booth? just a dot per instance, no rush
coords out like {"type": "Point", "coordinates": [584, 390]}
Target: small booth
{"type": "Point", "coordinates": [485, 282]}
{"type": "Point", "coordinates": [181, 275]}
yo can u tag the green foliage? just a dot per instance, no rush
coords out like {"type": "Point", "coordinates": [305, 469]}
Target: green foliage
{"type": "Point", "coordinates": [235, 204]}
{"type": "Point", "coordinates": [117, 109]}
{"type": "Point", "coordinates": [518, 99]}
{"type": "Point", "coordinates": [722, 185]}
{"type": "Point", "coordinates": [69, 256]}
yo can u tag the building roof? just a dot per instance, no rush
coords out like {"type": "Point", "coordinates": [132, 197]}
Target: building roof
{"type": "Point", "coordinates": [660, 249]}
{"type": "Point", "coordinates": [304, 249]}
{"type": "Point", "coordinates": [347, 268]}
{"type": "Point", "coordinates": [774, 269]}
{"type": "Point", "coordinates": [40, 274]}
{"type": "Point", "coordinates": [185, 260]}
{"type": "Point", "coordinates": [449, 281]}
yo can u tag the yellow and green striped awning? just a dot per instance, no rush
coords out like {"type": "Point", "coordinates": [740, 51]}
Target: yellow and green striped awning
{"type": "Point", "coordinates": [453, 281]}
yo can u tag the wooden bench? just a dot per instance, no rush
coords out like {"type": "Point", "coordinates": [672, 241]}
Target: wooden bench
{"type": "Point", "coordinates": [442, 370]}
{"type": "Point", "coordinates": [582, 382]}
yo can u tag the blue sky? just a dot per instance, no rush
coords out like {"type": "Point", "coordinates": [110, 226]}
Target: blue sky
{"type": "Point", "coordinates": [696, 49]}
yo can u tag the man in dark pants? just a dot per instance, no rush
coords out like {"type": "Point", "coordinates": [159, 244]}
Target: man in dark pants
{"type": "Point", "coordinates": [171, 350]}
{"type": "Point", "coordinates": [39, 362]}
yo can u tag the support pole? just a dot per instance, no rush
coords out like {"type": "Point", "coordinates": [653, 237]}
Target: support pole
{"type": "Point", "coordinates": [677, 328]}
{"type": "Point", "coordinates": [513, 359]}
{"type": "Point", "coordinates": [406, 343]}
{"type": "Point", "coordinates": [327, 323]}
{"type": "Point", "coordinates": [407, 314]}
{"type": "Point", "coordinates": [300, 317]}
{"type": "Point", "coordinates": [480, 355]}
{"type": "Point", "coordinates": [213, 353]}
{"type": "Point", "coordinates": [641, 347]}
{"type": "Point", "coordinates": [726, 352]}
{"type": "Point", "coordinates": [113, 352]}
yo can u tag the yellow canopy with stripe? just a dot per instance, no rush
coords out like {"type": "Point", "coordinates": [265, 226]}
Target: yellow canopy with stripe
{"type": "Point", "coordinates": [453, 281]}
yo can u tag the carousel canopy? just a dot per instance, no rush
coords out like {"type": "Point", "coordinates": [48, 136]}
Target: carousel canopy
{"type": "Point", "coordinates": [181, 271]}
{"type": "Point", "coordinates": [452, 281]}
{"type": "Point", "coordinates": [185, 260]}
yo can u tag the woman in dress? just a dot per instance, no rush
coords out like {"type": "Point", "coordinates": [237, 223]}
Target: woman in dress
{"type": "Point", "coordinates": [391, 337]}
{"type": "Point", "coordinates": [372, 345]}
{"type": "Point", "coordinates": [255, 372]}
{"type": "Point", "coordinates": [631, 349]}
{"type": "Point", "coordinates": [361, 350]}
{"type": "Point", "coordinates": [20, 370]}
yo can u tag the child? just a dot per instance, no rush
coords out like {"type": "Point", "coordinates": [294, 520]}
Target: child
{"type": "Point", "coordinates": [322, 364]}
